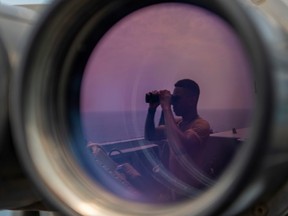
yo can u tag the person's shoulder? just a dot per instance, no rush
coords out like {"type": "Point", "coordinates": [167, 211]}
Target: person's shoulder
{"type": "Point", "coordinates": [200, 122]}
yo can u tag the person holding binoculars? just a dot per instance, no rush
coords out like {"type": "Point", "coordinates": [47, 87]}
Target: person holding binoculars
{"type": "Point", "coordinates": [186, 135]}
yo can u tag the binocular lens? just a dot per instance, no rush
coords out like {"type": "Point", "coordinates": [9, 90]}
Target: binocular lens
{"type": "Point", "coordinates": [93, 146]}
{"type": "Point", "coordinates": [150, 49]}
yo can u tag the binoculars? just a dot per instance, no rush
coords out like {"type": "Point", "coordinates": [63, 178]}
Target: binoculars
{"type": "Point", "coordinates": [71, 79]}
{"type": "Point", "coordinates": [154, 98]}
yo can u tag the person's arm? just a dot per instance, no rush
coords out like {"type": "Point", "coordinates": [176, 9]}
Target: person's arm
{"type": "Point", "coordinates": [152, 132]}
{"type": "Point", "coordinates": [161, 120]}
{"type": "Point", "coordinates": [182, 142]}
{"type": "Point", "coordinates": [149, 124]}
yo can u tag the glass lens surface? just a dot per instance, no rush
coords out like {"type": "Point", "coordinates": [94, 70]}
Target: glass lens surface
{"type": "Point", "coordinates": [166, 101]}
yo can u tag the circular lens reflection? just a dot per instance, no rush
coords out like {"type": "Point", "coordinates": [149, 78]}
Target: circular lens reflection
{"type": "Point", "coordinates": [166, 102]}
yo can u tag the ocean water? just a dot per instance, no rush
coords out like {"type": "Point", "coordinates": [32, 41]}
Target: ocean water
{"type": "Point", "coordinates": [115, 126]}
{"type": "Point", "coordinates": [102, 127]}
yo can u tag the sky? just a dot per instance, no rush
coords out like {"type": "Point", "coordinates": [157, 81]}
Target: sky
{"type": "Point", "coordinates": [156, 46]}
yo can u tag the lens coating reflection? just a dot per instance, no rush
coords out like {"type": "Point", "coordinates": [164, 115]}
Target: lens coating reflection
{"type": "Point", "coordinates": [148, 52]}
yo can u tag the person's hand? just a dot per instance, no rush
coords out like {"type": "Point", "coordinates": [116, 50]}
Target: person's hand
{"type": "Point", "coordinates": [165, 99]}
{"type": "Point", "coordinates": [154, 105]}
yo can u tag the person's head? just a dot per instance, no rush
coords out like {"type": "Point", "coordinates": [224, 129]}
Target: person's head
{"type": "Point", "coordinates": [186, 94]}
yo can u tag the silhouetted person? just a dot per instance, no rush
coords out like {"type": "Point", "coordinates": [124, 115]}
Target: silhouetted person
{"type": "Point", "coordinates": [186, 134]}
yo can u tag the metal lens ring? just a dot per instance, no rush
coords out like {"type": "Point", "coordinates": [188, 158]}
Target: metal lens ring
{"type": "Point", "coordinates": [5, 70]}
{"type": "Point", "coordinates": [47, 121]}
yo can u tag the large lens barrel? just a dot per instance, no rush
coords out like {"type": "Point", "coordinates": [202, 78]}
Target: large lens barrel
{"type": "Point", "coordinates": [101, 173]}
{"type": "Point", "coordinates": [17, 190]}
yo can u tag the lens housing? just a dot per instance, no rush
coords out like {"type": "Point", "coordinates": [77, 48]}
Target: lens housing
{"type": "Point", "coordinates": [17, 191]}
{"type": "Point", "coordinates": [46, 119]}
